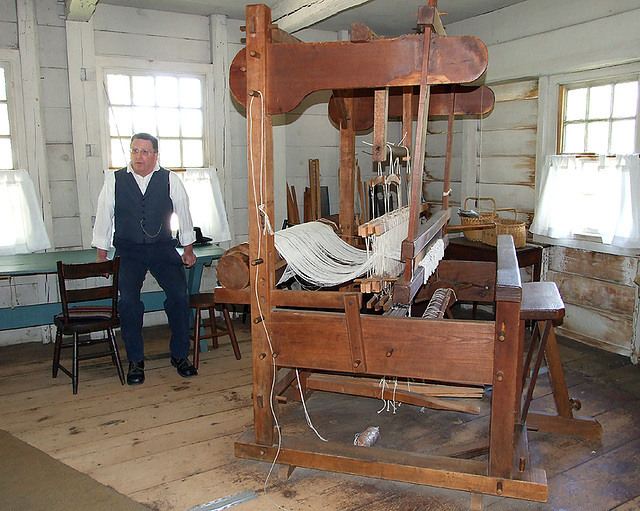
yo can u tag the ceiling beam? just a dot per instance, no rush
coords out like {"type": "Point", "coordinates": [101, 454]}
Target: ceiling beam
{"type": "Point", "coordinates": [293, 15]}
{"type": "Point", "coordinates": [79, 10]}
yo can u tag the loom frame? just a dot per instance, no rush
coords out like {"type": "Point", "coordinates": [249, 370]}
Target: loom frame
{"type": "Point", "coordinates": [302, 336]}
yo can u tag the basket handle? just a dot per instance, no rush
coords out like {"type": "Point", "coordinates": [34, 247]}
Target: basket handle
{"type": "Point", "coordinates": [515, 211]}
{"type": "Point", "coordinates": [479, 199]}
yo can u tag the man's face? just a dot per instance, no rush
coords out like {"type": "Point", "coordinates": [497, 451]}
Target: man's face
{"type": "Point", "coordinates": [143, 157]}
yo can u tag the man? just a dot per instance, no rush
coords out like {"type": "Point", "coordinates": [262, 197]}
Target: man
{"type": "Point", "coordinates": [135, 208]}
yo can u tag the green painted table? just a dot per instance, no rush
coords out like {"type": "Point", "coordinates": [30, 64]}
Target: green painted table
{"type": "Point", "coordinates": [22, 316]}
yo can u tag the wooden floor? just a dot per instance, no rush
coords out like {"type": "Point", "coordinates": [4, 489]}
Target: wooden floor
{"type": "Point", "coordinates": [169, 443]}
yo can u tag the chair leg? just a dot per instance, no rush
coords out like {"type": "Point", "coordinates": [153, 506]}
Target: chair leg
{"type": "Point", "coordinates": [196, 339]}
{"type": "Point", "coordinates": [232, 333]}
{"type": "Point", "coordinates": [56, 354]}
{"type": "Point", "coordinates": [115, 355]}
{"type": "Point", "coordinates": [74, 372]}
{"type": "Point", "coordinates": [214, 327]}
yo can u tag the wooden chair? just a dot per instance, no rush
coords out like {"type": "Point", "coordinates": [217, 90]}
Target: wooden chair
{"type": "Point", "coordinates": [206, 301]}
{"type": "Point", "coordinates": [91, 314]}
{"type": "Point", "coordinates": [542, 304]}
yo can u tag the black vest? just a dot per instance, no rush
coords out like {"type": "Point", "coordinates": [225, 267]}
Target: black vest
{"type": "Point", "coordinates": [142, 218]}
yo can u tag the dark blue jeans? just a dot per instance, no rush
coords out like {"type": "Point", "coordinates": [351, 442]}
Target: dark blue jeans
{"type": "Point", "coordinates": [165, 264]}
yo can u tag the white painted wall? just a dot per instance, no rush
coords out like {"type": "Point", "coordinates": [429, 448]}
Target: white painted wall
{"type": "Point", "coordinates": [526, 42]}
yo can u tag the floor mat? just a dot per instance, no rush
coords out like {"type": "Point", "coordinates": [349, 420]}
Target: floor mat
{"type": "Point", "coordinates": [31, 480]}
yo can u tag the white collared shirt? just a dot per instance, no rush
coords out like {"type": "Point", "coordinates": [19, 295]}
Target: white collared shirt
{"type": "Point", "coordinates": [103, 226]}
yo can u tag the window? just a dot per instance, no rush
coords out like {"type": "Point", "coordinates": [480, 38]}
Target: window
{"type": "Point", "coordinates": [6, 152]}
{"type": "Point", "coordinates": [173, 102]}
{"type": "Point", "coordinates": [22, 227]}
{"type": "Point", "coordinates": [588, 176]}
{"type": "Point", "coordinates": [600, 118]}
{"type": "Point", "coordinates": [168, 106]}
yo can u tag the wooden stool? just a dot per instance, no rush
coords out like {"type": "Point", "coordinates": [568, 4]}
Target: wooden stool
{"type": "Point", "coordinates": [206, 301]}
{"type": "Point", "coordinates": [542, 304]}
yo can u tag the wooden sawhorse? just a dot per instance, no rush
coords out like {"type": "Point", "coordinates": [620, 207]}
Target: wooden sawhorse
{"type": "Point", "coordinates": [542, 304]}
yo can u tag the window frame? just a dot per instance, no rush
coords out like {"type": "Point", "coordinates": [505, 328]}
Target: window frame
{"type": "Point", "coordinates": [10, 60]}
{"type": "Point", "coordinates": [550, 121]}
{"type": "Point", "coordinates": [116, 65]}
{"type": "Point", "coordinates": [589, 83]}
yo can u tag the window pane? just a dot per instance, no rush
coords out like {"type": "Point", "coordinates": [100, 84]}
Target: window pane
{"type": "Point", "coordinates": [600, 102]}
{"type": "Point", "coordinates": [190, 93]}
{"type": "Point", "coordinates": [144, 120]}
{"type": "Point", "coordinates": [168, 122]}
{"type": "Point", "coordinates": [143, 91]}
{"type": "Point", "coordinates": [576, 107]}
{"type": "Point", "coordinates": [119, 152]}
{"type": "Point", "coordinates": [191, 123]}
{"type": "Point", "coordinates": [574, 138]}
{"type": "Point", "coordinates": [192, 153]}
{"type": "Point", "coordinates": [598, 137]}
{"type": "Point", "coordinates": [168, 107]}
{"type": "Point", "coordinates": [6, 160]}
{"type": "Point", "coordinates": [623, 137]}
{"type": "Point", "coordinates": [167, 91]}
{"type": "Point", "coordinates": [4, 119]}
{"type": "Point", "coordinates": [119, 89]}
{"type": "Point", "coordinates": [625, 99]}
{"type": "Point", "coordinates": [170, 153]}
{"type": "Point", "coordinates": [3, 85]}
{"type": "Point", "coordinates": [120, 121]}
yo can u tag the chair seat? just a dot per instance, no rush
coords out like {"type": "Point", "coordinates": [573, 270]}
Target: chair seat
{"type": "Point", "coordinates": [84, 325]}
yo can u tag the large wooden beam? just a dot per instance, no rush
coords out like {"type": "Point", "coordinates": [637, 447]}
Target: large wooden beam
{"type": "Point", "coordinates": [293, 15]}
{"type": "Point", "coordinates": [469, 100]}
{"type": "Point", "coordinates": [79, 10]}
{"type": "Point", "coordinates": [296, 70]}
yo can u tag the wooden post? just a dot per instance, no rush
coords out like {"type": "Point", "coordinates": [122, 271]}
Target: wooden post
{"type": "Point", "coordinates": [426, 18]}
{"type": "Point", "coordinates": [380, 114]}
{"type": "Point", "coordinates": [347, 170]}
{"type": "Point", "coordinates": [507, 366]}
{"type": "Point", "coordinates": [261, 249]}
{"type": "Point", "coordinates": [447, 163]}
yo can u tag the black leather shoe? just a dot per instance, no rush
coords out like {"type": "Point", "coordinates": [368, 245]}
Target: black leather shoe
{"type": "Point", "coordinates": [185, 368]}
{"type": "Point", "coordinates": [135, 376]}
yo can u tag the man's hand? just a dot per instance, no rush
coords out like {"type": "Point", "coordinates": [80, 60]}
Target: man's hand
{"type": "Point", "coordinates": [102, 255]}
{"type": "Point", "coordinates": [188, 257]}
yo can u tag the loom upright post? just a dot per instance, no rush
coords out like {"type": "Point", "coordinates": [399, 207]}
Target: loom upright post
{"type": "Point", "coordinates": [261, 249]}
{"type": "Point", "coordinates": [347, 169]}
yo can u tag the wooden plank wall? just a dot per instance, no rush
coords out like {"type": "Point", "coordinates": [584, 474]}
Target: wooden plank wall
{"type": "Point", "coordinates": [600, 297]}
{"type": "Point", "coordinates": [497, 159]}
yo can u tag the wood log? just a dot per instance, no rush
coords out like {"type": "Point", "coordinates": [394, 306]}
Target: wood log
{"type": "Point", "coordinates": [233, 267]}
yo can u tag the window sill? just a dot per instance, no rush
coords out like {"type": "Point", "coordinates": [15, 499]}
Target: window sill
{"type": "Point", "coordinates": [591, 244]}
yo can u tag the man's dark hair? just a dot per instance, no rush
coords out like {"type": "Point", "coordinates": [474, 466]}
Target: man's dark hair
{"type": "Point", "coordinates": [146, 136]}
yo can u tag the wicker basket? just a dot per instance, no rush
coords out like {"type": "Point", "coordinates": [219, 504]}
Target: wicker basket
{"type": "Point", "coordinates": [486, 217]}
{"type": "Point", "coordinates": [515, 227]}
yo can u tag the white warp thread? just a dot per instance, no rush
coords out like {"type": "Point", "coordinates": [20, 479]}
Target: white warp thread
{"type": "Point", "coordinates": [431, 259]}
{"type": "Point", "coordinates": [314, 252]}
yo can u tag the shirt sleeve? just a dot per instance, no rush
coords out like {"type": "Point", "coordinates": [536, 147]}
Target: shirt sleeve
{"type": "Point", "coordinates": [103, 225]}
{"type": "Point", "coordinates": [180, 200]}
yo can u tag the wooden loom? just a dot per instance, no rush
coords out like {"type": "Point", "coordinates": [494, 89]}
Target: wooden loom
{"type": "Point", "coordinates": [291, 329]}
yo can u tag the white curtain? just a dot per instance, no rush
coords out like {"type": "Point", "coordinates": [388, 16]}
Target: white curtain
{"type": "Point", "coordinates": [23, 229]}
{"type": "Point", "coordinates": [596, 196]}
{"type": "Point", "coordinates": [206, 204]}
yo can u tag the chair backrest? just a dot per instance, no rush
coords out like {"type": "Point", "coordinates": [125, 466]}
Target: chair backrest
{"type": "Point", "coordinates": [85, 271]}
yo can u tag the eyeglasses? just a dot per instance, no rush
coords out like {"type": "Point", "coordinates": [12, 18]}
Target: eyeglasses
{"type": "Point", "coordinates": [144, 152]}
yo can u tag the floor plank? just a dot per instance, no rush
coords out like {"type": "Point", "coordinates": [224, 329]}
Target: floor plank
{"type": "Point", "coordinates": [168, 443]}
